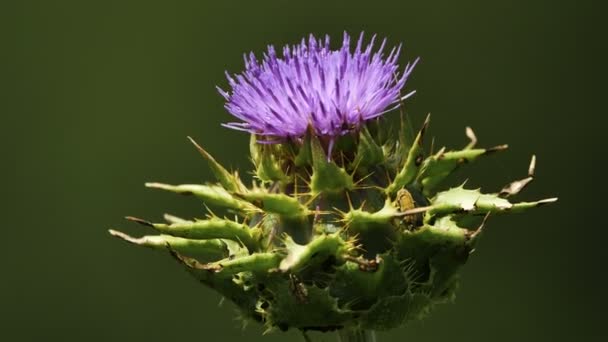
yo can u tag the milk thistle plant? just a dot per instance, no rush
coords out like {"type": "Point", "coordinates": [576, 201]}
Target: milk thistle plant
{"type": "Point", "coordinates": [346, 226]}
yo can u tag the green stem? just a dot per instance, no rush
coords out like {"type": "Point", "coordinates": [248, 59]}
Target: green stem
{"type": "Point", "coordinates": [356, 335]}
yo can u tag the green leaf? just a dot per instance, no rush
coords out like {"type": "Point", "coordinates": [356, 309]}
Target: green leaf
{"type": "Point", "coordinates": [460, 200]}
{"type": "Point", "coordinates": [213, 249]}
{"type": "Point", "coordinates": [437, 167]}
{"type": "Point", "coordinates": [313, 253]}
{"type": "Point", "coordinates": [210, 194]}
{"type": "Point", "coordinates": [277, 203]}
{"type": "Point", "coordinates": [213, 228]}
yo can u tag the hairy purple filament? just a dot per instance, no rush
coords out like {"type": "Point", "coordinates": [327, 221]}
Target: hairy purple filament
{"type": "Point", "coordinates": [334, 91]}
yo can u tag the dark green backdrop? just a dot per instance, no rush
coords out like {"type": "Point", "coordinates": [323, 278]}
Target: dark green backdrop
{"type": "Point", "coordinates": [98, 97]}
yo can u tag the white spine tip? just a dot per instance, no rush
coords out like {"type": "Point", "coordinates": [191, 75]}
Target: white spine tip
{"type": "Point", "coordinates": [124, 236]}
{"type": "Point", "coordinates": [532, 166]}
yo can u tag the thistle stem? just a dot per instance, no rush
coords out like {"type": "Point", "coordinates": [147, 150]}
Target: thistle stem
{"type": "Point", "coordinates": [356, 335]}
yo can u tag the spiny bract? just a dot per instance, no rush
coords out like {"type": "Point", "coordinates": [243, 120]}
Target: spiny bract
{"type": "Point", "coordinates": [355, 236]}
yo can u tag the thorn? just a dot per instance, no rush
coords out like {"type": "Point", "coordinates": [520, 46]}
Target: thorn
{"type": "Point", "coordinates": [532, 166]}
{"type": "Point", "coordinates": [304, 179]}
{"type": "Point", "coordinates": [355, 167]}
{"type": "Point", "coordinates": [340, 213]}
{"type": "Point", "coordinates": [388, 177]}
{"type": "Point", "coordinates": [317, 214]}
{"type": "Point", "coordinates": [312, 198]}
{"type": "Point", "coordinates": [200, 149]}
{"type": "Point", "coordinates": [173, 219]}
{"type": "Point", "coordinates": [163, 186]}
{"type": "Point", "coordinates": [363, 204]}
{"type": "Point", "coordinates": [356, 185]}
{"type": "Point", "coordinates": [348, 200]}
{"type": "Point", "coordinates": [414, 211]}
{"type": "Point", "coordinates": [140, 221]}
{"type": "Point", "coordinates": [124, 236]}
{"type": "Point", "coordinates": [440, 153]}
{"type": "Point", "coordinates": [471, 135]}
{"type": "Point", "coordinates": [210, 212]}
{"type": "Point", "coordinates": [424, 127]}
{"type": "Point", "coordinates": [480, 228]}
{"type": "Point", "coordinates": [517, 186]}
{"type": "Point", "coordinates": [547, 201]}
{"type": "Point", "coordinates": [275, 188]}
{"type": "Point", "coordinates": [496, 149]}
{"type": "Point", "coordinates": [432, 146]}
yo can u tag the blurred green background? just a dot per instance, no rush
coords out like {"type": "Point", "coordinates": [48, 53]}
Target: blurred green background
{"type": "Point", "coordinates": [98, 97]}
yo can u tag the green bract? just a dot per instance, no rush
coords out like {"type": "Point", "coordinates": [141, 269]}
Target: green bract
{"type": "Point", "coordinates": [365, 239]}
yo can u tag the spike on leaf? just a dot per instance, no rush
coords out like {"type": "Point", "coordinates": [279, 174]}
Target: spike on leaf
{"type": "Point", "coordinates": [229, 181]}
{"type": "Point", "coordinates": [517, 186]}
{"type": "Point", "coordinates": [412, 164]}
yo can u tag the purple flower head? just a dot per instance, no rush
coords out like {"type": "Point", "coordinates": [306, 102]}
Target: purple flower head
{"type": "Point", "coordinates": [332, 90]}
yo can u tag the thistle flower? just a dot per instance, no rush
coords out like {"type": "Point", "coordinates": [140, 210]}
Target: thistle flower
{"type": "Point", "coordinates": [334, 91]}
{"type": "Point", "coordinates": [356, 238]}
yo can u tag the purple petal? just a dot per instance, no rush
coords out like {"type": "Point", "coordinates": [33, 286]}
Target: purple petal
{"type": "Point", "coordinates": [311, 84]}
